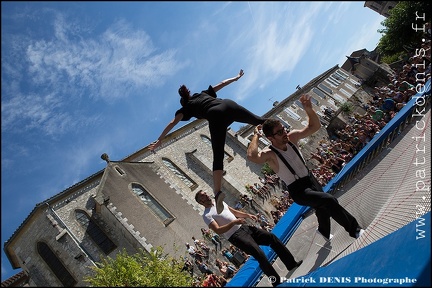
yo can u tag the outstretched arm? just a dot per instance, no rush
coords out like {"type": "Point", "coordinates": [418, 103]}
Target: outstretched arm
{"type": "Point", "coordinates": [314, 123]}
{"type": "Point", "coordinates": [225, 82]}
{"type": "Point", "coordinates": [241, 214]}
{"type": "Point", "coordinates": [263, 156]}
{"type": "Point", "coordinates": [224, 228]}
{"type": "Point", "coordinates": [168, 128]}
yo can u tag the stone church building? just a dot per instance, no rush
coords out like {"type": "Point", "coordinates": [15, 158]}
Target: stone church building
{"type": "Point", "coordinates": [147, 199]}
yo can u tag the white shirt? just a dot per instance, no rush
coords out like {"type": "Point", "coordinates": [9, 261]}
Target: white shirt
{"type": "Point", "coordinates": [210, 215]}
{"type": "Point", "coordinates": [295, 162]}
{"type": "Point", "coordinates": [191, 250]}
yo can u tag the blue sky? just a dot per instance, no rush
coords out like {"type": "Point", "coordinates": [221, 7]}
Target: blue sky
{"type": "Point", "coordinates": [79, 79]}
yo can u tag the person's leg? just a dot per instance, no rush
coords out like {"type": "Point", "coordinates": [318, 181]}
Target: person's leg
{"type": "Point", "coordinates": [218, 136]}
{"type": "Point", "coordinates": [215, 243]}
{"type": "Point", "coordinates": [323, 222]}
{"type": "Point", "coordinates": [243, 240]}
{"type": "Point", "coordinates": [321, 200]}
{"type": "Point", "coordinates": [263, 237]}
{"type": "Point", "coordinates": [238, 113]}
{"type": "Point", "coordinates": [217, 180]}
{"type": "Point", "coordinates": [332, 208]}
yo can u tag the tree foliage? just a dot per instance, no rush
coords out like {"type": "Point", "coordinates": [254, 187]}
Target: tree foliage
{"type": "Point", "coordinates": [347, 108]}
{"type": "Point", "coordinates": [266, 170]}
{"type": "Point", "coordinates": [154, 269]}
{"type": "Point", "coordinates": [399, 34]}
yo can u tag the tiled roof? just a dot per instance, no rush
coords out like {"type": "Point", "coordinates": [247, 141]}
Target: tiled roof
{"type": "Point", "coordinates": [16, 280]}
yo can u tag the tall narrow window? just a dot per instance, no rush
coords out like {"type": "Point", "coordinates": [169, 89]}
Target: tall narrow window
{"type": "Point", "coordinates": [292, 114]}
{"type": "Point", "coordinates": [325, 88]}
{"type": "Point", "coordinates": [299, 104]}
{"type": "Point", "coordinates": [354, 82]}
{"type": "Point", "coordinates": [313, 100]}
{"type": "Point", "coordinates": [335, 79]}
{"type": "Point", "coordinates": [153, 204]}
{"type": "Point", "coordinates": [55, 265]}
{"type": "Point", "coordinates": [284, 123]}
{"type": "Point", "coordinates": [207, 140]}
{"type": "Point", "coordinates": [342, 74]}
{"type": "Point", "coordinates": [319, 93]}
{"type": "Point", "coordinates": [339, 98]}
{"type": "Point", "coordinates": [95, 232]}
{"type": "Point", "coordinates": [346, 93]}
{"type": "Point", "coordinates": [350, 87]}
{"type": "Point", "coordinates": [330, 83]}
{"type": "Point", "coordinates": [120, 171]}
{"type": "Point", "coordinates": [186, 179]}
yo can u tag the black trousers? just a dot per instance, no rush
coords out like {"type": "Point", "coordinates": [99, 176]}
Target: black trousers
{"type": "Point", "coordinates": [220, 117]}
{"type": "Point", "coordinates": [248, 238]}
{"type": "Point", "coordinates": [303, 192]}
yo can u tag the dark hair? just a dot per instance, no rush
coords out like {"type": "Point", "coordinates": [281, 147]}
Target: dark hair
{"type": "Point", "coordinates": [268, 126]}
{"type": "Point", "coordinates": [197, 194]}
{"type": "Point", "coordinates": [184, 94]}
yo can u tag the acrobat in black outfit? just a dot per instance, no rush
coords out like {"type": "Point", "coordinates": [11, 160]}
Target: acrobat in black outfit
{"type": "Point", "coordinates": [220, 113]}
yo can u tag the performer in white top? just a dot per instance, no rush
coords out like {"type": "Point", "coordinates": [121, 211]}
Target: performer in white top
{"type": "Point", "coordinates": [232, 224]}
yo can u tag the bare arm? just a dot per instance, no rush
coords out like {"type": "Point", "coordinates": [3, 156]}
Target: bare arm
{"type": "Point", "coordinates": [313, 124]}
{"type": "Point", "coordinates": [168, 128]}
{"type": "Point", "coordinates": [225, 82]}
{"type": "Point", "coordinates": [263, 156]}
{"type": "Point", "coordinates": [241, 214]}
{"type": "Point", "coordinates": [224, 228]}
{"type": "Point", "coordinates": [241, 219]}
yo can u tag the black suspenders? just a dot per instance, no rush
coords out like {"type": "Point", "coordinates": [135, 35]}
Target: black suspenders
{"type": "Point", "coordinates": [285, 161]}
{"type": "Point", "coordinates": [312, 177]}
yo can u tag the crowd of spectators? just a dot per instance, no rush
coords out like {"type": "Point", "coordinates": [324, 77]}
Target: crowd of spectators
{"type": "Point", "coordinates": [386, 101]}
{"type": "Point", "coordinates": [211, 267]}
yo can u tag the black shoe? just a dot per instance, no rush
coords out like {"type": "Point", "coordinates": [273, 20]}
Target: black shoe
{"type": "Point", "coordinates": [359, 232]}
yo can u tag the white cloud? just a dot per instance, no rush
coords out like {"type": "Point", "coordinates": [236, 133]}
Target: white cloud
{"type": "Point", "coordinates": [279, 41]}
{"type": "Point", "coordinates": [69, 66]}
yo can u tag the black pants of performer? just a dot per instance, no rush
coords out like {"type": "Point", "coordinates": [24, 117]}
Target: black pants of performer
{"type": "Point", "coordinates": [303, 192]}
{"type": "Point", "coordinates": [220, 117]}
{"type": "Point", "coordinates": [248, 238]}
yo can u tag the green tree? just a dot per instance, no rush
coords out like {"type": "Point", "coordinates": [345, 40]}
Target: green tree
{"type": "Point", "coordinates": [347, 108]}
{"type": "Point", "coordinates": [399, 36]}
{"type": "Point", "coordinates": [266, 170]}
{"type": "Point", "coordinates": [154, 269]}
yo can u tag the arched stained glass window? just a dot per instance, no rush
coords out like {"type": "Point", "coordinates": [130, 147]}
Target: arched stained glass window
{"type": "Point", "coordinates": [55, 265]}
{"type": "Point", "coordinates": [95, 232]}
{"type": "Point", "coordinates": [207, 140]}
{"type": "Point", "coordinates": [179, 173]}
{"type": "Point", "coordinates": [153, 204]}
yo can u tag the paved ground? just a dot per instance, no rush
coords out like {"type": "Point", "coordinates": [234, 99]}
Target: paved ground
{"type": "Point", "coordinates": [384, 197]}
